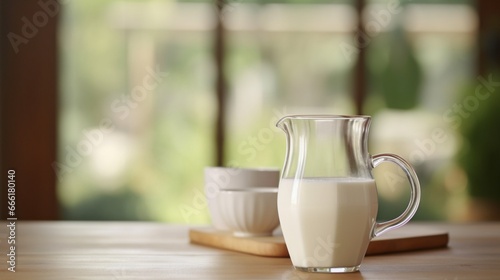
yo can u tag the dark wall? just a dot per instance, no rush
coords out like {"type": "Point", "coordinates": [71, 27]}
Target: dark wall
{"type": "Point", "coordinates": [28, 106]}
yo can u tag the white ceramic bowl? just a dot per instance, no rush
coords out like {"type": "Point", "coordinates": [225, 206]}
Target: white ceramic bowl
{"type": "Point", "coordinates": [249, 212]}
{"type": "Point", "coordinates": [217, 178]}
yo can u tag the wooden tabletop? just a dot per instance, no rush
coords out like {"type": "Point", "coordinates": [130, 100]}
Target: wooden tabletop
{"type": "Point", "coordinates": [140, 250]}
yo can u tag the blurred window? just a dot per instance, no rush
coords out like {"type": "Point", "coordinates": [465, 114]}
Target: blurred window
{"type": "Point", "coordinates": [138, 108]}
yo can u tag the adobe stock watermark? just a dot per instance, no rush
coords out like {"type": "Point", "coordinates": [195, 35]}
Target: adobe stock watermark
{"type": "Point", "coordinates": [122, 106]}
{"type": "Point", "coordinates": [321, 253]}
{"type": "Point", "coordinates": [249, 148]}
{"type": "Point", "coordinates": [454, 116]}
{"type": "Point", "coordinates": [120, 274]}
{"type": "Point", "coordinates": [224, 7]}
{"type": "Point", "coordinates": [380, 20]}
{"type": "Point", "coordinates": [32, 25]}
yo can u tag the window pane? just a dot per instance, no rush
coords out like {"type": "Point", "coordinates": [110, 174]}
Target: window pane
{"type": "Point", "coordinates": [283, 59]}
{"type": "Point", "coordinates": [420, 64]}
{"type": "Point", "coordinates": [136, 109]}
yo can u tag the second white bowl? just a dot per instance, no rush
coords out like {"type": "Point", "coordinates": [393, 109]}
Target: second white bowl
{"type": "Point", "coordinates": [250, 212]}
{"type": "Point", "coordinates": [217, 178]}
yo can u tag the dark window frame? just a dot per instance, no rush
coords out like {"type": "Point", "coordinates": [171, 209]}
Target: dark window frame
{"type": "Point", "coordinates": [28, 108]}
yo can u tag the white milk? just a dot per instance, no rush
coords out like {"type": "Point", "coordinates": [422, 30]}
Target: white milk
{"type": "Point", "coordinates": [327, 222]}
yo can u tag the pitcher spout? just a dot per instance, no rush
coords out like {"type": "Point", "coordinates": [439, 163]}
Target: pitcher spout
{"type": "Point", "coordinates": [282, 123]}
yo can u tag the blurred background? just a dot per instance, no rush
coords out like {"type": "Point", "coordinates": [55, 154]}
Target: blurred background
{"type": "Point", "coordinates": [111, 109]}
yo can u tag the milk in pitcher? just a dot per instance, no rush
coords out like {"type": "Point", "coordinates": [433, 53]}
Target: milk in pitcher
{"type": "Point", "coordinates": [327, 222]}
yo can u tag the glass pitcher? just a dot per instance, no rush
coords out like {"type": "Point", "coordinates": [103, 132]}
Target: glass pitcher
{"type": "Point", "coordinates": [327, 197]}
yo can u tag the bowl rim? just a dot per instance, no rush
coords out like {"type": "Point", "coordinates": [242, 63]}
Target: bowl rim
{"type": "Point", "coordinates": [251, 190]}
{"type": "Point", "coordinates": [245, 169]}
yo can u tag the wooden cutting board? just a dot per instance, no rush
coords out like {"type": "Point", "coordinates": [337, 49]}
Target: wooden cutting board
{"type": "Point", "coordinates": [406, 238]}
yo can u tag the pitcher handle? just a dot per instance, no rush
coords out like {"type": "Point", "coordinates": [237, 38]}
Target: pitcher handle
{"type": "Point", "coordinates": [412, 207]}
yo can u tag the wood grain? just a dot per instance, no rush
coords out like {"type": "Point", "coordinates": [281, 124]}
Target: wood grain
{"type": "Point", "coordinates": [407, 238]}
{"type": "Point", "coordinates": [269, 246]}
{"type": "Point", "coordinates": [139, 250]}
